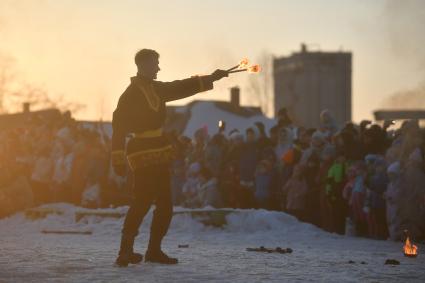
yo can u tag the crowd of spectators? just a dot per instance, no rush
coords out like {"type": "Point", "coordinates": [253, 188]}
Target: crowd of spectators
{"type": "Point", "coordinates": [366, 180]}
{"type": "Point", "coordinates": [56, 160]}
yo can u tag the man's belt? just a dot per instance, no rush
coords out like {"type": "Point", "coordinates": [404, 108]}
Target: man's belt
{"type": "Point", "coordinates": [149, 148]}
{"type": "Point", "coordinates": [119, 157]}
{"type": "Point", "coordinates": [148, 134]}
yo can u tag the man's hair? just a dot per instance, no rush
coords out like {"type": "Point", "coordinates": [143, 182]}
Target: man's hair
{"type": "Point", "coordinates": [144, 55]}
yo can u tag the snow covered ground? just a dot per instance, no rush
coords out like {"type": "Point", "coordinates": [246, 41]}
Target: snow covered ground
{"type": "Point", "coordinates": [214, 254]}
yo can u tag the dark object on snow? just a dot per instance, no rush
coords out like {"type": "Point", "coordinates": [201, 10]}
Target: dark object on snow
{"type": "Point", "coordinates": [352, 262]}
{"type": "Point", "coordinates": [392, 262]}
{"type": "Point", "coordinates": [63, 232]}
{"type": "Point", "coordinates": [283, 251]}
{"type": "Point", "coordinates": [183, 246]}
{"type": "Point", "coordinates": [289, 250]}
{"type": "Point", "coordinates": [266, 250]}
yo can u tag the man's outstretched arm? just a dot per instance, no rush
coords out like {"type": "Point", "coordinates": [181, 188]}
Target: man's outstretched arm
{"type": "Point", "coordinates": [179, 89]}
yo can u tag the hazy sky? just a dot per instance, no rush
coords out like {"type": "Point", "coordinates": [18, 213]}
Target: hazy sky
{"type": "Point", "coordinates": [83, 49]}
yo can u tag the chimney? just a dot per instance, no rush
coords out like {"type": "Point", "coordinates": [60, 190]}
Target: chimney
{"type": "Point", "coordinates": [303, 48]}
{"type": "Point", "coordinates": [26, 107]}
{"type": "Point", "coordinates": [234, 96]}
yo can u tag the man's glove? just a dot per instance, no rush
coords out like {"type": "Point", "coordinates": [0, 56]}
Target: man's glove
{"type": "Point", "coordinates": [219, 74]}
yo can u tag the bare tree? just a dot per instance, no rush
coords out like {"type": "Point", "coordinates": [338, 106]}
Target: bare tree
{"type": "Point", "coordinates": [38, 98]}
{"type": "Point", "coordinates": [101, 109]}
{"type": "Point", "coordinates": [14, 93]}
{"type": "Point", "coordinates": [64, 105]}
{"type": "Point", "coordinates": [27, 93]}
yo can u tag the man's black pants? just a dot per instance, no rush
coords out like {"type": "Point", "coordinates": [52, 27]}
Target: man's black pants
{"type": "Point", "coordinates": [151, 186]}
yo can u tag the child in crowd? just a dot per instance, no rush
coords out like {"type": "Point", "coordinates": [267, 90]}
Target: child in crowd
{"type": "Point", "coordinates": [190, 188]}
{"type": "Point", "coordinates": [296, 190]}
{"type": "Point", "coordinates": [333, 191]}
{"type": "Point", "coordinates": [263, 183]}
{"type": "Point", "coordinates": [357, 200]}
{"type": "Point", "coordinates": [208, 193]}
{"type": "Point", "coordinates": [377, 181]}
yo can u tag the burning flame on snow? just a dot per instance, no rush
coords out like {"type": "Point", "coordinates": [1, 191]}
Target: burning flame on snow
{"type": "Point", "coordinates": [410, 249]}
{"type": "Point", "coordinates": [254, 69]}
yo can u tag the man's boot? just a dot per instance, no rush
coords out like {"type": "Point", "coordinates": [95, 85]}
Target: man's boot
{"type": "Point", "coordinates": [159, 256]}
{"type": "Point", "coordinates": [126, 254]}
{"type": "Point", "coordinates": [156, 255]}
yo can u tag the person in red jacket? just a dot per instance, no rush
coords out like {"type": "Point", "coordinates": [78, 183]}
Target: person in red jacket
{"type": "Point", "coordinates": [140, 115]}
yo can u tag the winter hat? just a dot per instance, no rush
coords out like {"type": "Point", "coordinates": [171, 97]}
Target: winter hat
{"type": "Point", "coordinates": [320, 136]}
{"type": "Point", "coordinates": [235, 135]}
{"type": "Point", "coordinates": [394, 168]}
{"type": "Point", "coordinates": [371, 158]}
{"type": "Point", "coordinates": [194, 168]}
{"type": "Point", "coordinates": [256, 132]}
{"type": "Point", "coordinates": [289, 157]}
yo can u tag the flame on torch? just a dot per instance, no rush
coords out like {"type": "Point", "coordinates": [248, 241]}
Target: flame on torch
{"type": "Point", "coordinates": [251, 69]}
{"type": "Point", "coordinates": [254, 69]}
{"type": "Point", "coordinates": [242, 64]}
{"type": "Point", "coordinates": [243, 67]}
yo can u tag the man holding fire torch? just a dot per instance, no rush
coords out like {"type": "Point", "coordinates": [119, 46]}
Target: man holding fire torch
{"type": "Point", "coordinates": [140, 115]}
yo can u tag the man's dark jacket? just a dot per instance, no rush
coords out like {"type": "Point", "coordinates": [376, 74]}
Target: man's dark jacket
{"type": "Point", "coordinates": [140, 114]}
